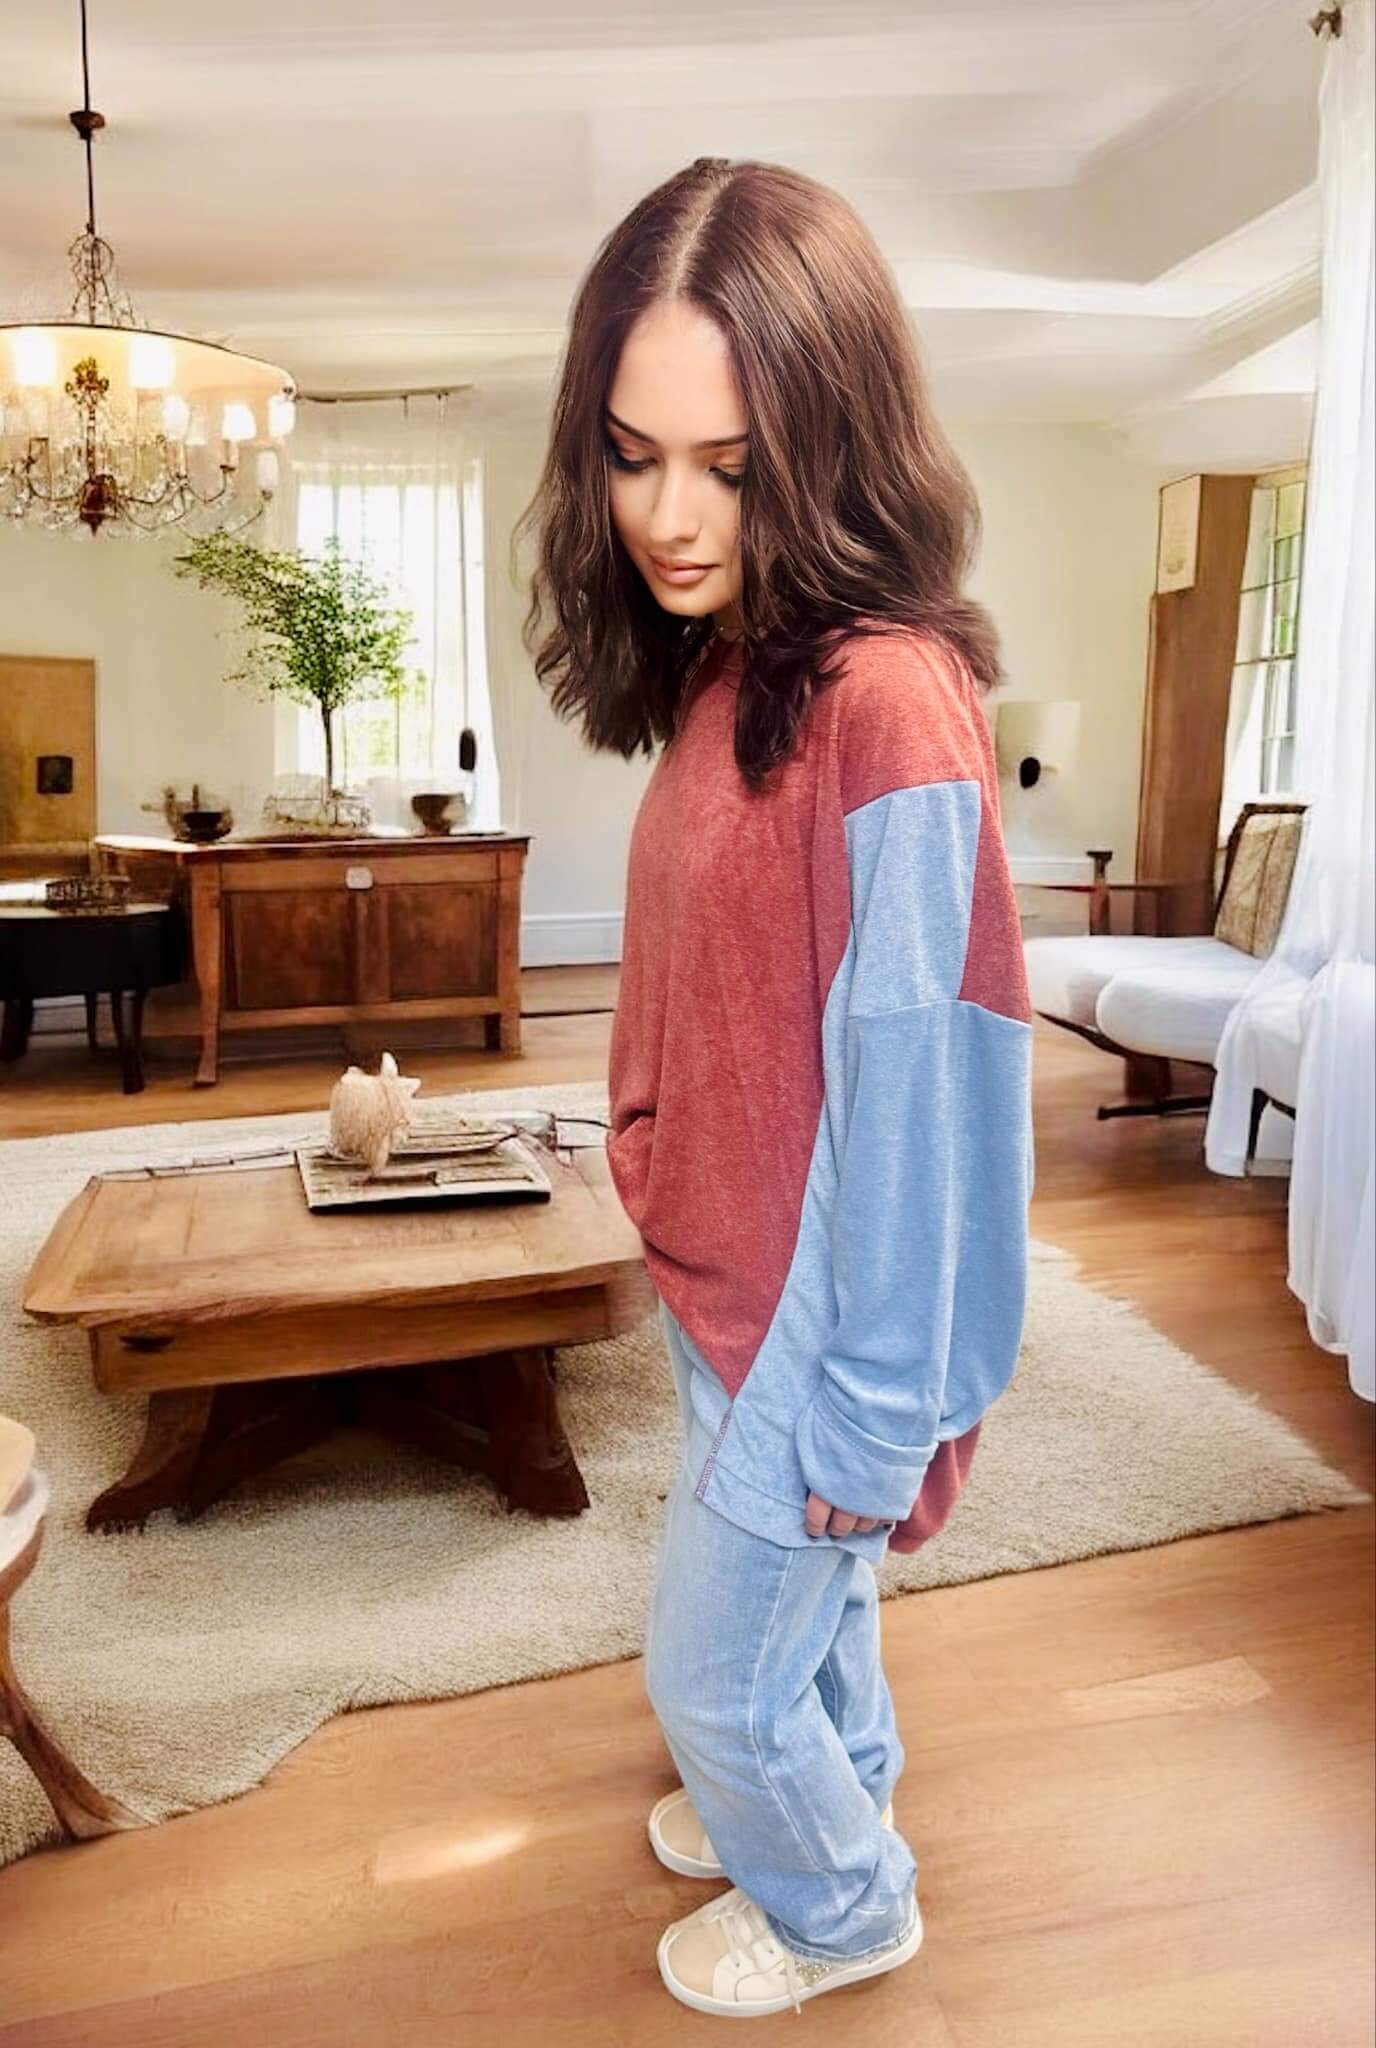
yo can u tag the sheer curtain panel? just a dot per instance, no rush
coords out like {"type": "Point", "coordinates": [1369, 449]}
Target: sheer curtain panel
{"type": "Point", "coordinates": [1322, 967]}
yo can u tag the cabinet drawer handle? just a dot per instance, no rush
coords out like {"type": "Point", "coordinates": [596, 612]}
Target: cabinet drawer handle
{"type": "Point", "coordinates": [358, 878]}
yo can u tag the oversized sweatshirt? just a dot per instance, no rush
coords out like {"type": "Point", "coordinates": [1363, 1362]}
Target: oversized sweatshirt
{"type": "Point", "coordinates": [820, 1091]}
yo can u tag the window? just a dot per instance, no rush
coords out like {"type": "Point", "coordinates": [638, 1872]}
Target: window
{"type": "Point", "coordinates": [420, 535]}
{"type": "Point", "coordinates": [1261, 712]}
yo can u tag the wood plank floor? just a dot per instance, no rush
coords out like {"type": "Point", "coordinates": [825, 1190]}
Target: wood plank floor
{"type": "Point", "coordinates": [1139, 1788]}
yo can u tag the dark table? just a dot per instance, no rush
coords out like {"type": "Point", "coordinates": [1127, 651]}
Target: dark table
{"type": "Point", "coordinates": [116, 953]}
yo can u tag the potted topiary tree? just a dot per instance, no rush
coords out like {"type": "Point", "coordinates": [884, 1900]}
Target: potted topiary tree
{"type": "Point", "coordinates": [324, 634]}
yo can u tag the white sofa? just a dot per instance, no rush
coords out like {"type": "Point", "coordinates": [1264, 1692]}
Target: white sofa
{"type": "Point", "coordinates": [1151, 1000]}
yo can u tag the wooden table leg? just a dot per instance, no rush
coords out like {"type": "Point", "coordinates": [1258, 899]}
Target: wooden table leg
{"type": "Point", "coordinates": [503, 1031]}
{"type": "Point", "coordinates": [207, 953]}
{"type": "Point", "coordinates": [128, 1032]}
{"type": "Point", "coordinates": [173, 1432]}
{"type": "Point", "coordinates": [93, 1021]}
{"type": "Point", "coordinates": [83, 1811]}
{"type": "Point", "coordinates": [14, 1034]}
{"type": "Point", "coordinates": [496, 1415]}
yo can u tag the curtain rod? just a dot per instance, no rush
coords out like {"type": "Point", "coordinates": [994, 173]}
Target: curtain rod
{"type": "Point", "coordinates": [360, 397]}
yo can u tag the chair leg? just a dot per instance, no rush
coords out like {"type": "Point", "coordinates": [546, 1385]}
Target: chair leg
{"type": "Point", "coordinates": [14, 1034]}
{"type": "Point", "coordinates": [1259, 1102]}
{"type": "Point", "coordinates": [128, 1035]}
{"type": "Point", "coordinates": [1146, 1077]}
{"type": "Point", "coordinates": [93, 1022]}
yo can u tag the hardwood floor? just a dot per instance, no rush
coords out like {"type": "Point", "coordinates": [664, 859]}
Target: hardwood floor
{"type": "Point", "coordinates": [1139, 1788]}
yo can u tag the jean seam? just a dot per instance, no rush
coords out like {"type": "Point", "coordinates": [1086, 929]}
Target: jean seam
{"type": "Point", "coordinates": [750, 1723]}
{"type": "Point", "coordinates": [825, 1665]}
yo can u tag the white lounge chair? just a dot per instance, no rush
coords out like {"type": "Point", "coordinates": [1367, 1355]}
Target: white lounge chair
{"type": "Point", "coordinates": [1152, 999]}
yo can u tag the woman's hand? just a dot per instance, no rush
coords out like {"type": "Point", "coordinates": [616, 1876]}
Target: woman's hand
{"type": "Point", "coordinates": [841, 1524]}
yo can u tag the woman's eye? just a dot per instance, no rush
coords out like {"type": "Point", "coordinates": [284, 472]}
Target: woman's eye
{"type": "Point", "coordinates": [619, 461]}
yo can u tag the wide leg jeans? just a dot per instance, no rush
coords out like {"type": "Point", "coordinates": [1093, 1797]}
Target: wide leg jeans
{"type": "Point", "coordinates": [762, 1663]}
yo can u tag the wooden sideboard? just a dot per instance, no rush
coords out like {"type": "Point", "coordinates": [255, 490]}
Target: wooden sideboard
{"type": "Point", "coordinates": [341, 931]}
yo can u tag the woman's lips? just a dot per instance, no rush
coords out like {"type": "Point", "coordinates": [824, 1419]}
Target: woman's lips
{"type": "Point", "coordinates": [671, 574]}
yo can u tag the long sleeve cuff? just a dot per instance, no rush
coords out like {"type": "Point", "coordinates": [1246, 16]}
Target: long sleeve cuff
{"type": "Point", "coordinates": [856, 1472]}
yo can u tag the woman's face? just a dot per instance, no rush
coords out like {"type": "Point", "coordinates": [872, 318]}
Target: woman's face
{"type": "Point", "coordinates": [676, 442]}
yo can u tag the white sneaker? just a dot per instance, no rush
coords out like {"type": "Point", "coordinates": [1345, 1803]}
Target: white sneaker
{"type": "Point", "coordinates": [680, 1841]}
{"type": "Point", "coordinates": [725, 1959]}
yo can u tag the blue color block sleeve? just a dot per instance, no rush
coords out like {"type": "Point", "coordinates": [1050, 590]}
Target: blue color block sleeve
{"type": "Point", "coordinates": [931, 1097]}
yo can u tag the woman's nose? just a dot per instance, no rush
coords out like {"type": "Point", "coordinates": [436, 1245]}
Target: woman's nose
{"type": "Point", "coordinates": [673, 518]}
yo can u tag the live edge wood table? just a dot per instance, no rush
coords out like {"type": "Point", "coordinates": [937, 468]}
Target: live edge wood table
{"type": "Point", "coordinates": [255, 1326]}
{"type": "Point", "coordinates": [341, 931]}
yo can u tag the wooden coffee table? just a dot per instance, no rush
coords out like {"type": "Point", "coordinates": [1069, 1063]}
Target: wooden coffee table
{"type": "Point", "coordinates": [255, 1327]}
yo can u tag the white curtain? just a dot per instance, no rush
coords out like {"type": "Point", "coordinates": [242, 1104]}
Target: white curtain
{"type": "Point", "coordinates": [399, 480]}
{"type": "Point", "coordinates": [1324, 962]}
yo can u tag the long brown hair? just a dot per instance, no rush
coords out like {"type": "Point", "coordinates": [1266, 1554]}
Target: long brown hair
{"type": "Point", "coordinates": [854, 506]}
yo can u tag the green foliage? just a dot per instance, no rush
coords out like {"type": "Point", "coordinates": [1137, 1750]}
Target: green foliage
{"type": "Point", "coordinates": [324, 633]}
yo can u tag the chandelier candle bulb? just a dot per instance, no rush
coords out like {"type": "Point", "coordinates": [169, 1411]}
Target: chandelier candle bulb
{"type": "Point", "coordinates": [34, 356]}
{"type": "Point", "coordinates": [152, 364]}
{"type": "Point", "coordinates": [281, 416]}
{"type": "Point", "coordinates": [239, 423]}
{"type": "Point", "coordinates": [266, 471]}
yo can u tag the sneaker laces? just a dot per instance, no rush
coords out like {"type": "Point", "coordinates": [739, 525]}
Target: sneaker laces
{"type": "Point", "coordinates": [745, 1924]}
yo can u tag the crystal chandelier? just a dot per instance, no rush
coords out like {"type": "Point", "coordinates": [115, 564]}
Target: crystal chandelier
{"type": "Point", "coordinates": [107, 422]}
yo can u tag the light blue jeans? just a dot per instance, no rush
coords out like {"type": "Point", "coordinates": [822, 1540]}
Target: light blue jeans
{"type": "Point", "coordinates": [762, 1663]}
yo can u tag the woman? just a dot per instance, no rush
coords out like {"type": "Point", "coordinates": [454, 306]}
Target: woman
{"type": "Point", "coordinates": [752, 544]}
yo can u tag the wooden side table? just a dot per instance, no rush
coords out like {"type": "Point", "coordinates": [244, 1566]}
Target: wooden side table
{"type": "Point", "coordinates": [368, 930]}
{"type": "Point", "coordinates": [117, 953]}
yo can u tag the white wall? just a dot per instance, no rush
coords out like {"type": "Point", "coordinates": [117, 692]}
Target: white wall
{"type": "Point", "coordinates": [164, 712]}
{"type": "Point", "coordinates": [577, 805]}
{"type": "Point", "coordinates": [1066, 567]}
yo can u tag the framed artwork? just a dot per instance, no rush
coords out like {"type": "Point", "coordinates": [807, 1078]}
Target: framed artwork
{"type": "Point", "coordinates": [47, 750]}
{"type": "Point", "coordinates": [1177, 541]}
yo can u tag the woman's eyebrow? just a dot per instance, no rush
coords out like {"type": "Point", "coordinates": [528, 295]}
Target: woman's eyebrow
{"type": "Point", "coordinates": [723, 441]}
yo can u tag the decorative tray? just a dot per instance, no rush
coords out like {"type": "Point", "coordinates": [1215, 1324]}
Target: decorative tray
{"type": "Point", "coordinates": [507, 1168]}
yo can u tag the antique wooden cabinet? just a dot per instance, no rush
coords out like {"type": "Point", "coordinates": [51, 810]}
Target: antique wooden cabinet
{"type": "Point", "coordinates": [326, 931]}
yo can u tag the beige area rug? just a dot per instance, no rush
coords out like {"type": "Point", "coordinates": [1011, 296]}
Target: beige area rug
{"type": "Point", "coordinates": [179, 1666]}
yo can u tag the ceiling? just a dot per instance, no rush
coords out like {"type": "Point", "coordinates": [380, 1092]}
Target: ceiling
{"type": "Point", "coordinates": [1104, 211]}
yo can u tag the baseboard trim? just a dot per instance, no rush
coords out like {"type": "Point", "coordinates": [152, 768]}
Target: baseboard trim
{"type": "Point", "coordinates": [571, 938]}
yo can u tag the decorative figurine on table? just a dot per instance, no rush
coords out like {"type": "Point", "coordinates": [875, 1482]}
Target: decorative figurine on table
{"type": "Point", "coordinates": [369, 1111]}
